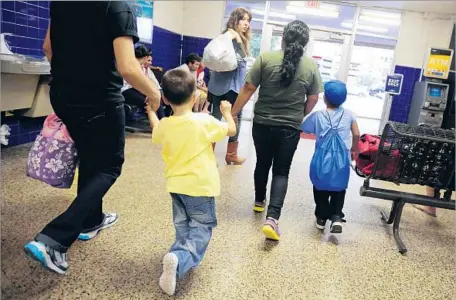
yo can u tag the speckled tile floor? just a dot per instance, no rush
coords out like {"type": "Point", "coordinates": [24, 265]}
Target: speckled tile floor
{"type": "Point", "coordinates": [125, 262]}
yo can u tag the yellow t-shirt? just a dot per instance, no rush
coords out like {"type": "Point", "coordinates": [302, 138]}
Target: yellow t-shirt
{"type": "Point", "coordinates": [187, 140]}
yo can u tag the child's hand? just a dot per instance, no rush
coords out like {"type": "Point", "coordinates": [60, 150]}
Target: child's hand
{"type": "Point", "coordinates": [354, 153]}
{"type": "Point", "coordinates": [148, 107]}
{"type": "Point", "coordinates": [225, 107]}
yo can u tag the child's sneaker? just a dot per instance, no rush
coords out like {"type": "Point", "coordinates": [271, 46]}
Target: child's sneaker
{"type": "Point", "coordinates": [336, 225]}
{"type": "Point", "coordinates": [49, 258]}
{"type": "Point", "coordinates": [109, 220]}
{"type": "Point", "coordinates": [259, 206]}
{"type": "Point", "coordinates": [167, 280]}
{"type": "Point", "coordinates": [271, 229]}
{"type": "Point", "coordinates": [320, 224]}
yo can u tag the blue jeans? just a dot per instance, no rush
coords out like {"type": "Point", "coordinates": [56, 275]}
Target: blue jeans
{"type": "Point", "coordinates": [194, 218]}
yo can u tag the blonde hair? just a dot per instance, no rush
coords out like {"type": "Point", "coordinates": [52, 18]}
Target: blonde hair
{"type": "Point", "coordinates": [236, 16]}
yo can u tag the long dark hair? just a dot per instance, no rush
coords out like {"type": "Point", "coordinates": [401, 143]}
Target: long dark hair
{"type": "Point", "coordinates": [236, 16]}
{"type": "Point", "coordinates": [295, 38]}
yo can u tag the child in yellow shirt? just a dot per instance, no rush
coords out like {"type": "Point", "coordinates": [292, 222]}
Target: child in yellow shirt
{"type": "Point", "coordinates": [191, 172]}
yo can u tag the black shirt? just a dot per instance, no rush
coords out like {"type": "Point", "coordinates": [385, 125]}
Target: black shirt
{"type": "Point", "coordinates": [83, 66]}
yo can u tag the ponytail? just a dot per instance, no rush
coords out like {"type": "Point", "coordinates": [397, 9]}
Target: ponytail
{"type": "Point", "coordinates": [295, 38]}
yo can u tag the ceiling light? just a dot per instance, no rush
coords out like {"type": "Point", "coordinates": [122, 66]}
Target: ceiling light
{"type": "Point", "coordinates": [257, 20]}
{"type": "Point", "coordinates": [378, 20]}
{"type": "Point", "coordinates": [365, 27]}
{"type": "Point", "coordinates": [313, 11]}
{"type": "Point", "coordinates": [324, 6]}
{"type": "Point", "coordinates": [274, 14]}
{"type": "Point", "coordinates": [381, 14]}
{"type": "Point", "coordinates": [278, 23]}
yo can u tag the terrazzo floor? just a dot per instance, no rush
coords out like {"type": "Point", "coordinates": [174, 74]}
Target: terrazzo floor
{"type": "Point", "coordinates": [124, 262]}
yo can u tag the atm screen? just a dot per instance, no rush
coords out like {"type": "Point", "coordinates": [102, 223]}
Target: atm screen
{"type": "Point", "coordinates": [435, 92]}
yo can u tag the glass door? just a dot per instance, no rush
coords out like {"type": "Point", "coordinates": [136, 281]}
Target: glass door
{"type": "Point", "coordinates": [328, 49]}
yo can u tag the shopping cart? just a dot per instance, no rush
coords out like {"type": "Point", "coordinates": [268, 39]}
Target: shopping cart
{"type": "Point", "coordinates": [420, 155]}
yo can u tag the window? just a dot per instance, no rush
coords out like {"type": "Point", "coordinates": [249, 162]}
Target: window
{"type": "Point", "coordinates": [144, 11]}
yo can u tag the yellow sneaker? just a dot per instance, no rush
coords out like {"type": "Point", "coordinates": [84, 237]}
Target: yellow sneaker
{"type": "Point", "coordinates": [259, 207]}
{"type": "Point", "coordinates": [271, 229]}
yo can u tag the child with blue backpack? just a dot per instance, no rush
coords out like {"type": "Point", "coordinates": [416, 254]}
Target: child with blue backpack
{"type": "Point", "coordinates": [336, 131]}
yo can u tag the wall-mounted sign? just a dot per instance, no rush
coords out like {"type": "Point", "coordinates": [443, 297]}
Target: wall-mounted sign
{"type": "Point", "coordinates": [394, 84]}
{"type": "Point", "coordinates": [313, 4]}
{"type": "Point", "coordinates": [144, 11]}
{"type": "Point", "coordinates": [437, 63]}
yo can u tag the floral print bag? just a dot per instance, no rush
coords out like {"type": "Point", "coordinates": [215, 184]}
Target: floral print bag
{"type": "Point", "coordinates": [53, 157]}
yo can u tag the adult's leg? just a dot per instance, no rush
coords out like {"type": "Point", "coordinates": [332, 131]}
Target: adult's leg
{"type": "Point", "coordinates": [287, 141]}
{"type": "Point", "coordinates": [216, 113]}
{"type": "Point", "coordinates": [99, 135]}
{"type": "Point", "coordinates": [429, 210]}
{"type": "Point", "coordinates": [233, 143]}
{"type": "Point", "coordinates": [264, 153]}
{"type": "Point", "coordinates": [322, 207]}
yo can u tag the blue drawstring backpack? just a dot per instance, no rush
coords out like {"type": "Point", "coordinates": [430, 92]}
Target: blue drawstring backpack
{"type": "Point", "coordinates": [330, 165]}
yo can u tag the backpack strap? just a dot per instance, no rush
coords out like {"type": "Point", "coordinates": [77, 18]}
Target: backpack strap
{"type": "Point", "coordinates": [343, 112]}
{"type": "Point", "coordinates": [338, 123]}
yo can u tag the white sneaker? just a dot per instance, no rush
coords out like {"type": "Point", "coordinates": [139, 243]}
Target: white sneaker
{"type": "Point", "coordinates": [336, 227]}
{"type": "Point", "coordinates": [167, 280]}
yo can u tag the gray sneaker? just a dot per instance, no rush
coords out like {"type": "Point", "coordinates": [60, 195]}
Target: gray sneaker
{"type": "Point", "coordinates": [109, 220]}
{"type": "Point", "coordinates": [49, 258]}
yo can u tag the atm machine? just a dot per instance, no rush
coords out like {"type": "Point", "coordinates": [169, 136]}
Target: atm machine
{"type": "Point", "coordinates": [429, 102]}
{"type": "Point", "coordinates": [431, 96]}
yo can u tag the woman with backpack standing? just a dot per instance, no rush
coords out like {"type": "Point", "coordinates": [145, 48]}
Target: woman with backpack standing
{"type": "Point", "coordinates": [289, 86]}
{"type": "Point", "coordinates": [226, 85]}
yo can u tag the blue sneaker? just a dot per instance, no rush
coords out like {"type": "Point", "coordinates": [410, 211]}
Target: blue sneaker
{"type": "Point", "coordinates": [109, 220]}
{"type": "Point", "coordinates": [49, 258]}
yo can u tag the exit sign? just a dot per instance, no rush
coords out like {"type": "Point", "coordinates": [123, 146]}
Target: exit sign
{"type": "Point", "coordinates": [313, 4]}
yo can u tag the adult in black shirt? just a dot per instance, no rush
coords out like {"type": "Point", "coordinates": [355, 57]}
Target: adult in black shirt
{"type": "Point", "coordinates": [90, 47]}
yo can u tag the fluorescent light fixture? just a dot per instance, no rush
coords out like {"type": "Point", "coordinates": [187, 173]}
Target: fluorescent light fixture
{"type": "Point", "coordinates": [278, 23]}
{"type": "Point", "coordinates": [383, 21]}
{"type": "Point", "coordinates": [319, 12]}
{"type": "Point", "coordinates": [365, 27]}
{"type": "Point", "coordinates": [274, 14]}
{"type": "Point", "coordinates": [381, 14]}
{"type": "Point", "coordinates": [324, 6]}
{"type": "Point", "coordinates": [257, 19]}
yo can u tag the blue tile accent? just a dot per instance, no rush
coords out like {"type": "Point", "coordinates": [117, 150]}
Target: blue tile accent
{"type": "Point", "coordinates": [192, 44]}
{"type": "Point", "coordinates": [8, 27]}
{"type": "Point", "coordinates": [32, 10]}
{"type": "Point", "coordinates": [8, 16]}
{"type": "Point", "coordinates": [33, 33]}
{"type": "Point", "coordinates": [400, 105]}
{"type": "Point", "coordinates": [166, 48]}
{"type": "Point", "coordinates": [33, 21]}
{"type": "Point", "coordinates": [21, 31]}
{"type": "Point", "coordinates": [9, 5]}
{"type": "Point", "coordinates": [43, 13]}
{"type": "Point", "coordinates": [25, 138]}
{"type": "Point", "coordinates": [20, 7]}
{"type": "Point", "coordinates": [44, 4]}
{"type": "Point", "coordinates": [43, 23]}
{"type": "Point", "coordinates": [13, 140]}
{"type": "Point", "coordinates": [25, 20]}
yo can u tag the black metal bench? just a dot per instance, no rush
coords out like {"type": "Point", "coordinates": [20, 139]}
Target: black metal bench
{"type": "Point", "coordinates": [414, 155]}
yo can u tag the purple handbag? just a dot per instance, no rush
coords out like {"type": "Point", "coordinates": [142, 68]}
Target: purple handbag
{"type": "Point", "coordinates": [53, 157]}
